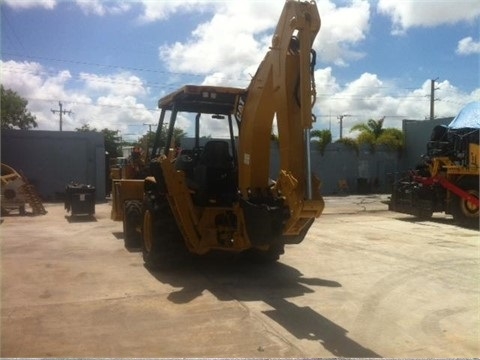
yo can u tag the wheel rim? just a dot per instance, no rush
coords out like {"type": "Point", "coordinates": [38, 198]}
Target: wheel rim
{"type": "Point", "coordinates": [468, 208]}
{"type": "Point", "coordinates": [147, 231]}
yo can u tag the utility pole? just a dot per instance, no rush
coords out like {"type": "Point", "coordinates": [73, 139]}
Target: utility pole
{"type": "Point", "coordinates": [150, 127]}
{"type": "Point", "coordinates": [61, 112]}
{"type": "Point", "coordinates": [148, 136]}
{"type": "Point", "coordinates": [340, 117]}
{"type": "Point", "coordinates": [432, 98]}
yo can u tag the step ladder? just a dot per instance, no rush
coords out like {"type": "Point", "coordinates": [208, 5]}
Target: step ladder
{"type": "Point", "coordinates": [33, 198]}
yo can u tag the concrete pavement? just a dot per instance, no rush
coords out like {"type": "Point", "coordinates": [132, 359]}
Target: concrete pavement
{"type": "Point", "coordinates": [364, 283]}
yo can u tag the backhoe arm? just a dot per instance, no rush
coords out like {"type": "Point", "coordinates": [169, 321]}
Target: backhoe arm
{"type": "Point", "coordinates": [283, 87]}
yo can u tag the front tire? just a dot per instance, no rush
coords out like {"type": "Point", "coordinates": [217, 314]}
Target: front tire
{"type": "Point", "coordinates": [464, 212]}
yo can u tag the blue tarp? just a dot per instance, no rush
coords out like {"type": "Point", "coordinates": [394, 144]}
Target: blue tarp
{"type": "Point", "coordinates": [468, 117]}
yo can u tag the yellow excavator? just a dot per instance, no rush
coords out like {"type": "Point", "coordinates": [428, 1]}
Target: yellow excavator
{"type": "Point", "coordinates": [217, 194]}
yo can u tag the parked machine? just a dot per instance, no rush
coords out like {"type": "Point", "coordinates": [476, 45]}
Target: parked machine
{"type": "Point", "coordinates": [127, 176]}
{"type": "Point", "coordinates": [448, 179]}
{"type": "Point", "coordinates": [17, 192]}
{"type": "Point", "coordinates": [219, 196]}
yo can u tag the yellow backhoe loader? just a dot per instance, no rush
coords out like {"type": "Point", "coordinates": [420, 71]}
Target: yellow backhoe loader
{"type": "Point", "coordinates": [218, 195]}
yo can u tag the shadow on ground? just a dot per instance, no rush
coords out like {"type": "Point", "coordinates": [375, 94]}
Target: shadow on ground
{"type": "Point", "coordinates": [438, 220]}
{"type": "Point", "coordinates": [238, 279]}
{"type": "Point", "coordinates": [80, 218]}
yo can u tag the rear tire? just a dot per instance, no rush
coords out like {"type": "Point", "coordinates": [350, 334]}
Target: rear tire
{"type": "Point", "coordinates": [132, 221]}
{"type": "Point", "coordinates": [162, 244]}
{"type": "Point", "coordinates": [464, 212]}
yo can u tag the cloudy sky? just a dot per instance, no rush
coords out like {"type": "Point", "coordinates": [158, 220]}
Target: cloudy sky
{"type": "Point", "coordinates": [108, 62]}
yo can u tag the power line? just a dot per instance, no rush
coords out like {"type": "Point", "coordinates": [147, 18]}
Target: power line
{"type": "Point", "coordinates": [173, 85]}
{"type": "Point", "coordinates": [165, 72]}
{"type": "Point", "coordinates": [96, 80]}
{"type": "Point", "coordinates": [94, 105]}
{"type": "Point", "coordinates": [9, 25]}
{"type": "Point", "coordinates": [139, 69]}
{"type": "Point", "coordinates": [101, 79]}
{"type": "Point", "coordinates": [321, 97]}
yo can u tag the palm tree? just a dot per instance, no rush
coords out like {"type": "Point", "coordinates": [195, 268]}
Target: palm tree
{"type": "Point", "coordinates": [373, 134]}
{"type": "Point", "coordinates": [324, 138]}
{"type": "Point", "coordinates": [372, 127]}
{"type": "Point", "coordinates": [391, 138]}
{"type": "Point", "coordinates": [369, 132]}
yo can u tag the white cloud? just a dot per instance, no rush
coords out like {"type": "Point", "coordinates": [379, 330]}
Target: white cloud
{"type": "Point", "coordinates": [101, 7]}
{"type": "Point", "coordinates": [119, 84]}
{"type": "Point", "coordinates": [369, 97]}
{"type": "Point", "coordinates": [23, 77]}
{"type": "Point", "coordinates": [228, 44]}
{"type": "Point", "coordinates": [468, 46]}
{"type": "Point", "coordinates": [96, 7]}
{"type": "Point", "coordinates": [233, 42]}
{"type": "Point", "coordinates": [217, 79]}
{"type": "Point", "coordinates": [117, 101]}
{"type": "Point", "coordinates": [107, 101]}
{"type": "Point", "coordinates": [364, 98]}
{"type": "Point", "coordinates": [342, 29]}
{"type": "Point", "coordinates": [414, 13]}
{"type": "Point", "coordinates": [161, 10]}
{"type": "Point", "coordinates": [27, 4]}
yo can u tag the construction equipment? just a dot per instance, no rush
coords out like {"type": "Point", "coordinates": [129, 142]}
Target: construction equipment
{"type": "Point", "coordinates": [219, 196]}
{"type": "Point", "coordinates": [16, 192]}
{"type": "Point", "coordinates": [127, 175]}
{"type": "Point", "coordinates": [448, 179]}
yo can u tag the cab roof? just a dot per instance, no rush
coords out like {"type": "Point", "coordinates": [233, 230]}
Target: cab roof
{"type": "Point", "coordinates": [202, 99]}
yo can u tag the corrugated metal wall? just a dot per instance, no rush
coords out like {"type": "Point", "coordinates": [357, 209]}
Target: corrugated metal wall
{"type": "Point", "coordinates": [367, 171]}
{"type": "Point", "coordinates": [343, 170]}
{"type": "Point", "coordinates": [51, 159]}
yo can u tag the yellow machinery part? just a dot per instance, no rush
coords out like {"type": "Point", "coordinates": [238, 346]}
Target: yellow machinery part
{"type": "Point", "coordinates": [474, 156]}
{"type": "Point", "coordinates": [198, 224]}
{"type": "Point", "coordinates": [20, 191]}
{"type": "Point", "coordinates": [123, 190]}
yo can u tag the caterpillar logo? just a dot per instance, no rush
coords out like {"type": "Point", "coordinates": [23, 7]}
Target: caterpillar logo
{"type": "Point", "coordinates": [240, 107]}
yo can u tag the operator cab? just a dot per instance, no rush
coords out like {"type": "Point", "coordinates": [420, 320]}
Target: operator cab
{"type": "Point", "coordinates": [210, 165]}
